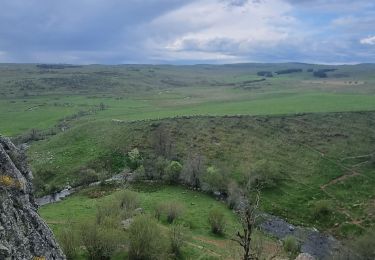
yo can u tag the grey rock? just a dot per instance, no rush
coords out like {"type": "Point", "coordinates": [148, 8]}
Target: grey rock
{"type": "Point", "coordinates": [24, 234]}
{"type": "Point", "coordinates": [305, 256]}
{"type": "Point", "coordinates": [127, 223]}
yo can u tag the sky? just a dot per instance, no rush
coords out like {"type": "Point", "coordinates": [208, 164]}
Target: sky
{"type": "Point", "coordinates": [187, 32]}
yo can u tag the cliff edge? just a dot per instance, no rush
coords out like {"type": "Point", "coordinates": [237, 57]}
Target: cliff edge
{"type": "Point", "coordinates": [23, 234]}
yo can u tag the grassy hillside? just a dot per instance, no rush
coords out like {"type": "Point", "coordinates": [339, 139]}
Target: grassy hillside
{"type": "Point", "coordinates": [35, 97]}
{"type": "Point", "coordinates": [325, 157]}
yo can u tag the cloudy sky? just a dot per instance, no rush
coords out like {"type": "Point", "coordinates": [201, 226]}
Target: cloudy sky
{"type": "Point", "coordinates": [187, 32]}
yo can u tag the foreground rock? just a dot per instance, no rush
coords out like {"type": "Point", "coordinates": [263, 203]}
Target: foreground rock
{"type": "Point", "coordinates": [23, 234]}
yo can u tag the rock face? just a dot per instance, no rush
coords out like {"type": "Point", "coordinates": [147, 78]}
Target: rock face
{"type": "Point", "coordinates": [23, 234]}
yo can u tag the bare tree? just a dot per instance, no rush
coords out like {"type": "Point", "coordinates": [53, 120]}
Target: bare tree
{"type": "Point", "coordinates": [162, 142]}
{"type": "Point", "coordinates": [193, 170]}
{"type": "Point", "coordinates": [248, 217]}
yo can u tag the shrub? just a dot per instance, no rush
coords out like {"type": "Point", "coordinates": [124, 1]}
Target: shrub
{"type": "Point", "coordinates": [365, 245]}
{"type": "Point", "coordinates": [134, 159]}
{"type": "Point", "coordinates": [173, 171]}
{"type": "Point", "coordinates": [322, 208]}
{"type": "Point", "coordinates": [100, 243]}
{"type": "Point", "coordinates": [177, 235]}
{"type": "Point", "coordinates": [264, 174]}
{"type": "Point", "coordinates": [234, 195]}
{"type": "Point", "coordinates": [174, 210]}
{"type": "Point", "coordinates": [291, 245]}
{"type": "Point", "coordinates": [146, 239]}
{"type": "Point", "coordinates": [87, 176]}
{"type": "Point", "coordinates": [214, 179]}
{"type": "Point", "coordinates": [140, 173]}
{"type": "Point", "coordinates": [159, 209]}
{"type": "Point", "coordinates": [108, 213]}
{"type": "Point", "coordinates": [68, 240]}
{"type": "Point", "coordinates": [217, 221]}
{"type": "Point", "coordinates": [128, 200]}
{"type": "Point", "coordinates": [160, 165]}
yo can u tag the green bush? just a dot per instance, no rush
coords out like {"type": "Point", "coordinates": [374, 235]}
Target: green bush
{"type": "Point", "coordinates": [216, 219]}
{"type": "Point", "coordinates": [146, 239]}
{"type": "Point", "coordinates": [128, 200]}
{"type": "Point", "coordinates": [291, 245]}
{"type": "Point", "coordinates": [264, 174]}
{"type": "Point", "coordinates": [173, 171]}
{"type": "Point", "coordinates": [134, 159]}
{"type": "Point", "coordinates": [173, 210]}
{"type": "Point", "coordinates": [177, 235]}
{"type": "Point", "coordinates": [322, 208]}
{"type": "Point", "coordinates": [69, 242]}
{"type": "Point", "coordinates": [100, 243]}
{"type": "Point", "coordinates": [365, 245]}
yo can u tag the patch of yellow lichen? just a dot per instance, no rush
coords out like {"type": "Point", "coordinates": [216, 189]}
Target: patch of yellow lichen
{"type": "Point", "coordinates": [9, 182]}
{"type": "Point", "coordinates": [39, 258]}
{"type": "Point", "coordinates": [6, 181]}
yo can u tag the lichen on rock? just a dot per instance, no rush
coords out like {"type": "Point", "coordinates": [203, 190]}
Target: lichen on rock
{"type": "Point", "coordinates": [23, 234]}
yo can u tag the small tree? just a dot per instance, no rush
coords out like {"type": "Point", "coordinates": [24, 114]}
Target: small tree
{"type": "Point", "coordinates": [160, 166]}
{"type": "Point", "coordinates": [173, 171]}
{"type": "Point", "coordinates": [146, 239]}
{"type": "Point", "coordinates": [193, 170]}
{"type": "Point", "coordinates": [134, 159]}
{"type": "Point", "coordinates": [216, 219]}
{"type": "Point", "coordinates": [248, 218]}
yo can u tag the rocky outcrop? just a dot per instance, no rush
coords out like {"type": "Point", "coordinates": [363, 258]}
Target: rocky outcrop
{"type": "Point", "coordinates": [23, 234]}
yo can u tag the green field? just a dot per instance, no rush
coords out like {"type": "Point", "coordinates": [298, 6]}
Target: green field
{"type": "Point", "coordinates": [317, 134]}
{"type": "Point", "coordinates": [33, 98]}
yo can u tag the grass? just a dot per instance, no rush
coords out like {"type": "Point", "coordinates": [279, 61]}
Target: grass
{"type": "Point", "coordinates": [40, 98]}
{"type": "Point", "coordinates": [306, 149]}
{"type": "Point", "coordinates": [80, 208]}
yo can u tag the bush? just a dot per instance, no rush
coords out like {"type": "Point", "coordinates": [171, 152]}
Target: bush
{"type": "Point", "coordinates": [159, 209]}
{"type": "Point", "coordinates": [291, 245]}
{"type": "Point", "coordinates": [146, 239]}
{"type": "Point", "coordinates": [129, 200]}
{"type": "Point", "coordinates": [100, 243]}
{"type": "Point", "coordinates": [234, 195]}
{"type": "Point", "coordinates": [365, 245]}
{"type": "Point", "coordinates": [217, 221]}
{"type": "Point", "coordinates": [87, 176]}
{"type": "Point", "coordinates": [69, 242]}
{"type": "Point", "coordinates": [173, 171]}
{"type": "Point", "coordinates": [140, 173]}
{"type": "Point", "coordinates": [177, 235]}
{"type": "Point", "coordinates": [108, 214]}
{"type": "Point", "coordinates": [160, 166]}
{"type": "Point", "coordinates": [214, 179]}
{"type": "Point", "coordinates": [322, 208]}
{"type": "Point", "coordinates": [134, 159]}
{"type": "Point", "coordinates": [174, 210]}
{"type": "Point", "coordinates": [264, 174]}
